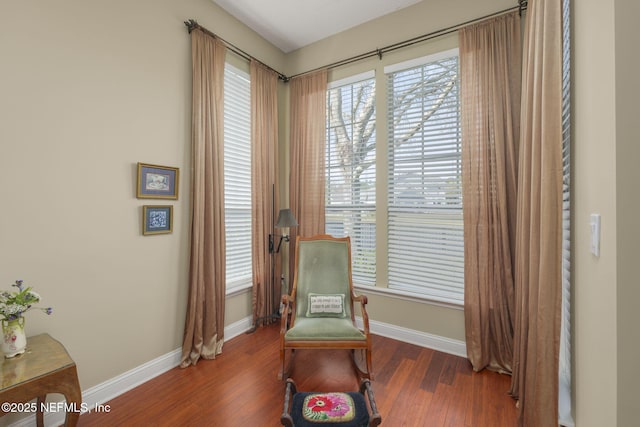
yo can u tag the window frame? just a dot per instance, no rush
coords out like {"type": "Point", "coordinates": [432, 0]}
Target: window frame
{"type": "Point", "coordinates": [447, 259]}
{"type": "Point", "coordinates": [363, 243]}
{"type": "Point", "coordinates": [237, 178]}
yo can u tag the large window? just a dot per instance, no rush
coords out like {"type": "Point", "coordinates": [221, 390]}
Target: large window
{"type": "Point", "coordinates": [351, 171]}
{"type": "Point", "coordinates": [425, 229]}
{"type": "Point", "coordinates": [237, 176]}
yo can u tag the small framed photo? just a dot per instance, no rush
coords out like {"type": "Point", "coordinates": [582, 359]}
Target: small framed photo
{"type": "Point", "coordinates": [157, 220]}
{"type": "Point", "coordinates": [157, 182]}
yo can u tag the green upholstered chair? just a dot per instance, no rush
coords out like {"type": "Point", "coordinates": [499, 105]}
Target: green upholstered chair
{"type": "Point", "coordinates": [319, 313]}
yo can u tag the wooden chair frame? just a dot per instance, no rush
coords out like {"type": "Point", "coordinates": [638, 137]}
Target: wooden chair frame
{"type": "Point", "coordinates": [288, 318]}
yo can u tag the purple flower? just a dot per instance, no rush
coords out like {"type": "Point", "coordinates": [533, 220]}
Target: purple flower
{"type": "Point", "coordinates": [339, 406]}
{"type": "Point", "coordinates": [13, 305]}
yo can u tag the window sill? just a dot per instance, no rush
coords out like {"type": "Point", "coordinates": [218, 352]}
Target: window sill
{"type": "Point", "coordinates": [408, 296]}
{"type": "Point", "coordinates": [237, 290]}
{"type": "Point", "coordinates": [368, 289]}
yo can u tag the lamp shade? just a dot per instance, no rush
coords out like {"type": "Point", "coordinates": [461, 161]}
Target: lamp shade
{"type": "Point", "coordinates": [286, 219]}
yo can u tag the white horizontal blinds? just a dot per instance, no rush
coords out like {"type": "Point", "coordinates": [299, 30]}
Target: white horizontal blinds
{"type": "Point", "coordinates": [564, 392]}
{"type": "Point", "coordinates": [351, 173]}
{"type": "Point", "coordinates": [237, 175]}
{"type": "Point", "coordinates": [425, 231]}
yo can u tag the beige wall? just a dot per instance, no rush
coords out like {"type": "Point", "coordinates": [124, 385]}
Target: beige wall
{"type": "Point", "coordinates": [606, 343]}
{"type": "Point", "coordinates": [422, 18]}
{"type": "Point", "coordinates": [627, 208]}
{"type": "Point", "coordinates": [87, 90]}
{"type": "Point", "coordinates": [594, 184]}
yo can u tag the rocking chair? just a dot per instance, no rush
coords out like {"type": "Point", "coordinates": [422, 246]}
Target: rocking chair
{"type": "Point", "coordinates": [319, 313]}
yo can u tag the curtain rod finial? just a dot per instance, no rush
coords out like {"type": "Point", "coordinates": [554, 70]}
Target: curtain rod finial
{"type": "Point", "coordinates": [191, 24]}
{"type": "Point", "coordinates": [522, 5]}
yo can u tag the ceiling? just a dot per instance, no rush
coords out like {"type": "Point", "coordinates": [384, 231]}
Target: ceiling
{"type": "Point", "coordinates": [292, 24]}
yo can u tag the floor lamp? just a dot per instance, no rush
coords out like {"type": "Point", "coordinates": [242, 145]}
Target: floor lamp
{"type": "Point", "coordinates": [285, 220]}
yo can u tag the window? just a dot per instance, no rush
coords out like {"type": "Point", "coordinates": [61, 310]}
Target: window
{"type": "Point", "coordinates": [425, 229]}
{"type": "Point", "coordinates": [564, 366]}
{"type": "Point", "coordinates": [237, 176]}
{"type": "Point", "coordinates": [351, 171]}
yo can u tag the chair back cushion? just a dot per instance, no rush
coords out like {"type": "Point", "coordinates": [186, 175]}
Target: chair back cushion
{"type": "Point", "coordinates": [323, 278]}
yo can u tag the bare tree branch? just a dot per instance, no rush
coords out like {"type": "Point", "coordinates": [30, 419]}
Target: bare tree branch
{"type": "Point", "coordinates": [353, 146]}
{"type": "Point", "coordinates": [427, 114]}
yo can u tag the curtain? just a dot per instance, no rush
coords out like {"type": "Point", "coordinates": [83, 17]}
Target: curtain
{"type": "Point", "coordinates": [538, 268]}
{"type": "Point", "coordinates": [264, 194]}
{"type": "Point", "coordinates": [490, 67]}
{"type": "Point", "coordinates": [308, 99]}
{"type": "Point", "coordinates": [204, 325]}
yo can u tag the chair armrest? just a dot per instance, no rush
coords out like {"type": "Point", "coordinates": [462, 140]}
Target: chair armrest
{"type": "Point", "coordinates": [286, 300]}
{"type": "Point", "coordinates": [362, 299]}
{"type": "Point", "coordinates": [286, 306]}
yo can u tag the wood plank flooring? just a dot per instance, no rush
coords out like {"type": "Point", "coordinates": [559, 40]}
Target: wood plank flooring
{"type": "Point", "coordinates": [413, 387]}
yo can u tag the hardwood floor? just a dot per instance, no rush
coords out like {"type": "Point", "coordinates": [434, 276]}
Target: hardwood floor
{"type": "Point", "coordinates": [413, 386]}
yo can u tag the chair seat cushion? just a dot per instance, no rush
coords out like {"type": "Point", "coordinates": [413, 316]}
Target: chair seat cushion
{"type": "Point", "coordinates": [325, 328]}
{"type": "Point", "coordinates": [334, 409]}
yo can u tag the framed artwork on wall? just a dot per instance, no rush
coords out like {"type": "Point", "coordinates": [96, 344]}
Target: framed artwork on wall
{"type": "Point", "coordinates": [157, 182]}
{"type": "Point", "coordinates": [157, 220]}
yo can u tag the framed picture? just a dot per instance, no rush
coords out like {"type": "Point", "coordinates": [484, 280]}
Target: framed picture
{"type": "Point", "coordinates": [157, 182]}
{"type": "Point", "coordinates": [157, 219]}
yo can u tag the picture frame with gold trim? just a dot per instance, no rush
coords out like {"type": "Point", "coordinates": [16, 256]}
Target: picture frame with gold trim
{"type": "Point", "coordinates": [157, 219]}
{"type": "Point", "coordinates": [157, 182]}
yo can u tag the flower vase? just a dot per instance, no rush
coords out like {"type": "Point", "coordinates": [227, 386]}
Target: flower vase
{"type": "Point", "coordinates": [14, 340]}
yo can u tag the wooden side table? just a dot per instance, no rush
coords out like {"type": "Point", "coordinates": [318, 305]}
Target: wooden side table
{"type": "Point", "coordinates": [44, 368]}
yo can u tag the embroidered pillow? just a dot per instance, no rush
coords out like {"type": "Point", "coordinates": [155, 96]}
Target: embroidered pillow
{"type": "Point", "coordinates": [326, 305]}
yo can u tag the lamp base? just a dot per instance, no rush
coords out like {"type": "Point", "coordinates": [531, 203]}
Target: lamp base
{"type": "Point", "coordinates": [263, 318]}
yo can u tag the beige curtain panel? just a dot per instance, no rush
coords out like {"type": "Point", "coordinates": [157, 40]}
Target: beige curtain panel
{"type": "Point", "coordinates": [538, 276]}
{"type": "Point", "coordinates": [490, 69]}
{"type": "Point", "coordinates": [204, 324]}
{"type": "Point", "coordinates": [264, 166]}
{"type": "Point", "coordinates": [308, 99]}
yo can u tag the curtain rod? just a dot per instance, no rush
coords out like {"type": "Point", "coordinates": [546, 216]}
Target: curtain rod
{"type": "Point", "coordinates": [192, 24]}
{"type": "Point", "coordinates": [522, 6]}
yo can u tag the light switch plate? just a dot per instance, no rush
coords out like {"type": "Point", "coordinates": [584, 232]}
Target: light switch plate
{"type": "Point", "coordinates": [595, 234]}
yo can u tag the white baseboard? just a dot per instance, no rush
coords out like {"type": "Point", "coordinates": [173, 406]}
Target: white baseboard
{"type": "Point", "coordinates": [238, 328]}
{"type": "Point", "coordinates": [422, 339]}
{"type": "Point", "coordinates": [110, 389]}
{"type": "Point", "coordinates": [104, 392]}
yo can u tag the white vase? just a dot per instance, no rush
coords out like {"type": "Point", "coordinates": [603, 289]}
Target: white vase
{"type": "Point", "coordinates": [14, 340]}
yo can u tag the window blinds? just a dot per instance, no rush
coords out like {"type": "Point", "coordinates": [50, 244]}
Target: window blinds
{"type": "Point", "coordinates": [425, 229]}
{"type": "Point", "coordinates": [237, 176]}
{"type": "Point", "coordinates": [350, 173]}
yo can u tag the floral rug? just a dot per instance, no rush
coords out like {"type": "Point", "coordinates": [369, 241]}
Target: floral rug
{"type": "Point", "coordinates": [331, 409]}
